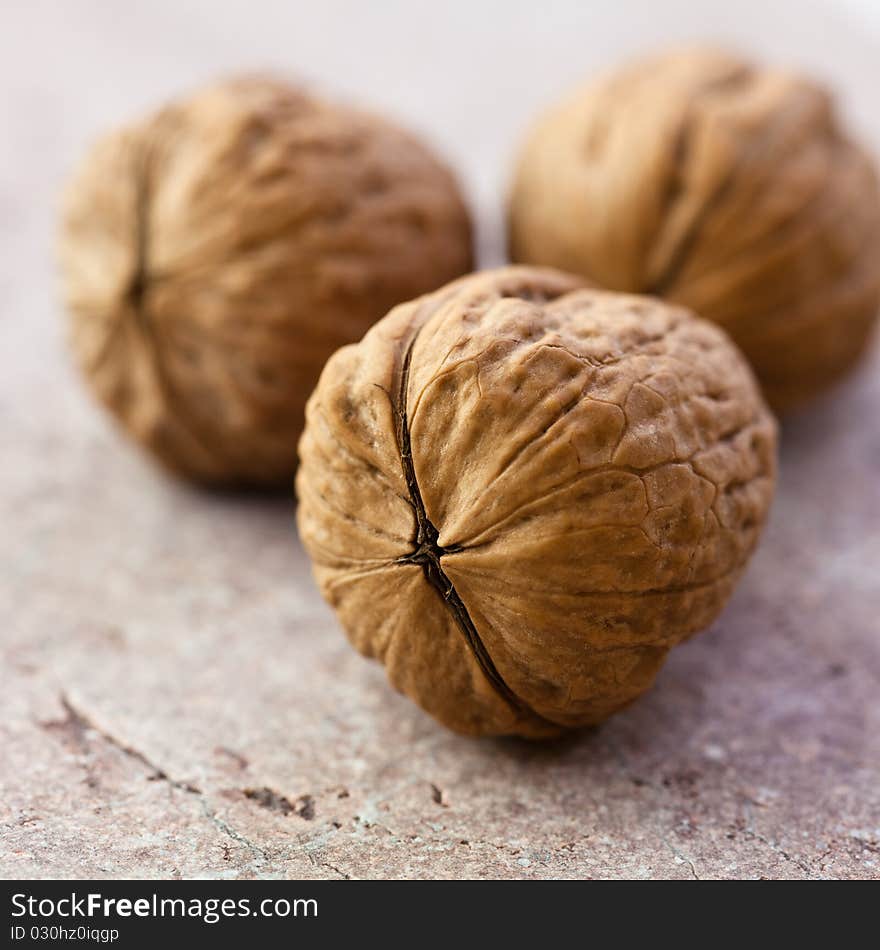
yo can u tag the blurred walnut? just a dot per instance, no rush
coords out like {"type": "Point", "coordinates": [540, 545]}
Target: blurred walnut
{"type": "Point", "coordinates": [217, 253]}
{"type": "Point", "coordinates": [519, 494]}
{"type": "Point", "coordinates": [720, 186]}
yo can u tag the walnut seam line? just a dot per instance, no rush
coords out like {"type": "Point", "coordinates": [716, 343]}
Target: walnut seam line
{"type": "Point", "coordinates": [427, 552]}
{"type": "Point", "coordinates": [136, 295]}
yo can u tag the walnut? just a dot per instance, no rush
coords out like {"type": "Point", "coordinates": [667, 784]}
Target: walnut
{"type": "Point", "coordinates": [519, 493]}
{"type": "Point", "coordinates": [725, 187]}
{"type": "Point", "coordinates": [215, 254]}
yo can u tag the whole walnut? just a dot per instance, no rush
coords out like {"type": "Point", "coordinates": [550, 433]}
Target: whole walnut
{"type": "Point", "coordinates": [215, 254]}
{"type": "Point", "coordinates": [519, 494]}
{"type": "Point", "coordinates": [724, 187]}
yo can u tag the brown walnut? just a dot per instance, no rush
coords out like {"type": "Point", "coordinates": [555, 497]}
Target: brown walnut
{"type": "Point", "coordinates": [215, 254]}
{"type": "Point", "coordinates": [519, 494]}
{"type": "Point", "coordinates": [725, 187]}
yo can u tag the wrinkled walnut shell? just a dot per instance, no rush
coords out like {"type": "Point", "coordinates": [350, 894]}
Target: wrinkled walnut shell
{"type": "Point", "coordinates": [729, 189]}
{"type": "Point", "coordinates": [519, 493]}
{"type": "Point", "coordinates": [217, 253]}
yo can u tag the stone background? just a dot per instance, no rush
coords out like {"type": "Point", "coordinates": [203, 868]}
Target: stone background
{"type": "Point", "coordinates": [176, 701]}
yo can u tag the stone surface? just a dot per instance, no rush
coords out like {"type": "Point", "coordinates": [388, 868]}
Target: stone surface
{"type": "Point", "coordinates": [177, 701]}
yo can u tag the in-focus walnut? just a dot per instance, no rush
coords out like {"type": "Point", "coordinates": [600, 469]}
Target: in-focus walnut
{"type": "Point", "coordinates": [519, 494]}
{"type": "Point", "coordinates": [217, 253]}
{"type": "Point", "coordinates": [727, 188]}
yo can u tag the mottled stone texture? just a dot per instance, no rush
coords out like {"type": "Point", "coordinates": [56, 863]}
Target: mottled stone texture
{"type": "Point", "coordinates": [175, 699]}
{"type": "Point", "coordinates": [178, 701]}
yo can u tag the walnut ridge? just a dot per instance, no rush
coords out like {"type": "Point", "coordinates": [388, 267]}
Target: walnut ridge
{"type": "Point", "coordinates": [726, 187]}
{"type": "Point", "coordinates": [519, 493]}
{"type": "Point", "coordinates": [216, 253]}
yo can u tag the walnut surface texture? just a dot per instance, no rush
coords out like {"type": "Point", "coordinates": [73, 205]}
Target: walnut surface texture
{"type": "Point", "coordinates": [519, 493]}
{"type": "Point", "coordinates": [215, 254]}
{"type": "Point", "coordinates": [725, 187]}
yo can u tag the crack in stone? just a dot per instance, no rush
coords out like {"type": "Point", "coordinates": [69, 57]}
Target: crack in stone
{"type": "Point", "coordinates": [682, 857]}
{"type": "Point", "coordinates": [321, 863]}
{"type": "Point", "coordinates": [778, 849]}
{"type": "Point", "coordinates": [223, 826]}
{"type": "Point", "coordinates": [76, 723]}
{"type": "Point", "coordinates": [774, 846]}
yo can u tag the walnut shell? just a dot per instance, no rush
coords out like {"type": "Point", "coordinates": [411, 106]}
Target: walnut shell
{"type": "Point", "coordinates": [217, 253]}
{"type": "Point", "coordinates": [519, 493]}
{"type": "Point", "coordinates": [724, 187]}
